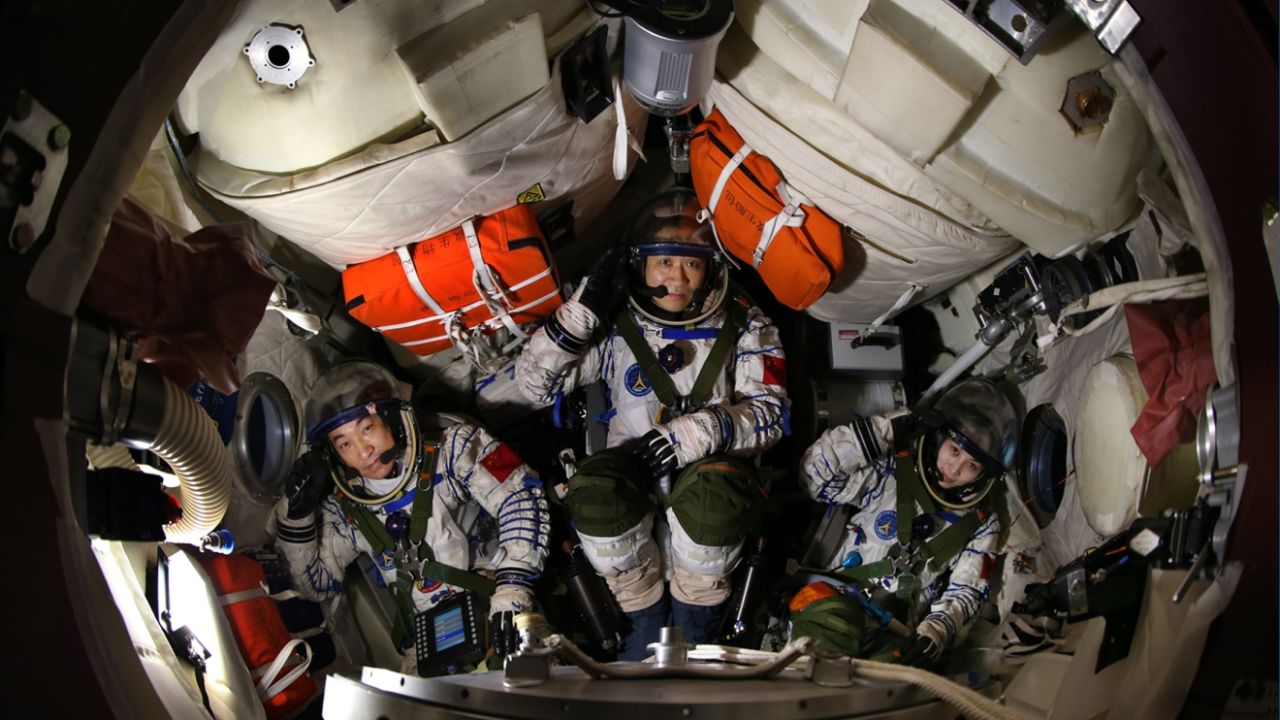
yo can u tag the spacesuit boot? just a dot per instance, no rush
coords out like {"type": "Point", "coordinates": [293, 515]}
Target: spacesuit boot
{"type": "Point", "coordinates": [701, 623]}
{"type": "Point", "coordinates": [646, 625]}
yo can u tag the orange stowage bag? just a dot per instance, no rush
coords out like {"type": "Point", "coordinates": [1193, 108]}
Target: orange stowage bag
{"type": "Point", "coordinates": [796, 248]}
{"type": "Point", "coordinates": [264, 641]}
{"type": "Point", "coordinates": [491, 272]}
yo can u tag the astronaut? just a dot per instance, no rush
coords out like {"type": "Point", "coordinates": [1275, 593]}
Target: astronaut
{"type": "Point", "coordinates": [439, 512]}
{"type": "Point", "coordinates": [920, 528]}
{"type": "Point", "coordinates": [694, 378]}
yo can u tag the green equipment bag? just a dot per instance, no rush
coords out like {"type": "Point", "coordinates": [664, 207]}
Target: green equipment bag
{"type": "Point", "coordinates": [835, 622]}
{"type": "Point", "coordinates": [608, 494]}
{"type": "Point", "coordinates": [717, 500]}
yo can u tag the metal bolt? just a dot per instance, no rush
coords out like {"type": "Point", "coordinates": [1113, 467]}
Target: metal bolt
{"type": "Point", "coordinates": [59, 137]}
{"type": "Point", "coordinates": [1092, 104]}
{"type": "Point", "coordinates": [23, 237]}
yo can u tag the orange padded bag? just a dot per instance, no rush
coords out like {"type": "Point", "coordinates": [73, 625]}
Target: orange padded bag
{"type": "Point", "coordinates": [458, 287]}
{"type": "Point", "coordinates": [760, 219]}
{"type": "Point", "coordinates": [277, 662]}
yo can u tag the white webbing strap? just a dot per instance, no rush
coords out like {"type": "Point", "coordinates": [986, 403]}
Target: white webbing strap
{"type": "Point", "coordinates": [725, 173]}
{"type": "Point", "coordinates": [442, 317]}
{"type": "Point", "coordinates": [242, 595]}
{"type": "Point", "coordinates": [903, 299]}
{"type": "Point", "coordinates": [619, 133]}
{"type": "Point", "coordinates": [411, 274]}
{"type": "Point", "coordinates": [791, 215]}
{"type": "Point", "coordinates": [487, 285]}
{"type": "Point", "coordinates": [269, 683]}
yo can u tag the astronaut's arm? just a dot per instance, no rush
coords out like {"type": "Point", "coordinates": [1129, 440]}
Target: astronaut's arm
{"type": "Point", "coordinates": [559, 356]}
{"type": "Point", "coordinates": [954, 610]}
{"type": "Point", "coordinates": [316, 549]}
{"type": "Point", "coordinates": [475, 466]}
{"type": "Point", "coordinates": [758, 416]}
{"type": "Point", "coordinates": [837, 467]}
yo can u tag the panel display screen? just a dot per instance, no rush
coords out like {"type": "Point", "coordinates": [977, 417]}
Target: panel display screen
{"type": "Point", "coordinates": [450, 630]}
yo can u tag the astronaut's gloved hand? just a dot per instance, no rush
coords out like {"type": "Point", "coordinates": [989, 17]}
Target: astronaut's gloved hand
{"type": "Point", "coordinates": [657, 452]}
{"type": "Point", "coordinates": [605, 286]}
{"type": "Point", "coordinates": [512, 596]}
{"type": "Point", "coordinates": [309, 480]}
{"type": "Point", "coordinates": [928, 641]}
{"type": "Point", "coordinates": [912, 424]}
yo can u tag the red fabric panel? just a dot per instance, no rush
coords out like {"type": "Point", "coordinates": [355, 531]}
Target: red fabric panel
{"type": "Point", "coordinates": [195, 301]}
{"type": "Point", "coordinates": [1171, 346]}
{"type": "Point", "coordinates": [775, 371]}
{"type": "Point", "coordinates": [501, 461]}
{"type": "Point", "coordinates": [258, 627]}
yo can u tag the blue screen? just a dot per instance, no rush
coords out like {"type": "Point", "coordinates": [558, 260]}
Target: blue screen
{"type": "Point", "coordinates": [450, 632]}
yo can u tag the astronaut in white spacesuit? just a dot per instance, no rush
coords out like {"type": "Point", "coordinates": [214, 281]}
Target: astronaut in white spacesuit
{"type": "Point", "coordinates": [439, 513]}
{"type": "Point", "coordinates": [694, 378]}
{"type": "Point", "coordinates": [920, 528]}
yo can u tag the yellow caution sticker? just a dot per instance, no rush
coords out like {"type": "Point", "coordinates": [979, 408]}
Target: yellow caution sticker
{"type": "Point", "coordinates": [532, 195]}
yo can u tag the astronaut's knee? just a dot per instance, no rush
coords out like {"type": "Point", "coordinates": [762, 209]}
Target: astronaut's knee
{"type": "Point", "coordinates": [606, 496]}
{"type": "Point", "coordinates": [717, 500]}
{"type": "Point", "coordinates": [630, 549]}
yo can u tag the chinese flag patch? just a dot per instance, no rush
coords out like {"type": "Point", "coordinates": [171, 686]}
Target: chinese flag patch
{"type": "Point", "coordinates": [988, 562]}
{"type": "Point", "coordinates": [775, 371]}
{"type": "Point", "coordinates": [501, 461]}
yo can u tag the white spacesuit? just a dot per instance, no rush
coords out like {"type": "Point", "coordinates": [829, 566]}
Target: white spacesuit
{"type": "Point", "coordinates": [737, 407]}
{"type": "Point", "coordinates": [919, 528]}
{"type": "Point", "coordinates": [484, 508]}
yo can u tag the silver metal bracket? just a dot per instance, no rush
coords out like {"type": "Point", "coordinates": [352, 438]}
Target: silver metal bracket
{"type": "Point", "coordinates": [33, 158]}
{"type": "Point", "coordinates": [1111, 21]}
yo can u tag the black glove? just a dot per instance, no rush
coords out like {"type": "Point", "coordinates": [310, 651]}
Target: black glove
{"type": "Point", "coordinates": [916, 422]}
{"type": "Point", "coordinates": [922, 653]}
{"type": "Point", "coordinates": [503, 637]}
{"type": "Point", "coordinates": [513, 595]}
{"type": "Point", "coordinates": [657, 452]}
{"type": "Point", "coordinates": [605, 286]}
{"type": "Point", "coordinates": [309, 480]}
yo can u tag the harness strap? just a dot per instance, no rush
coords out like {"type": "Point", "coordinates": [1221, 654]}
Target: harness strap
{"type": "Point", "coordinates": [380, 541]}
{"type": "Point", "coordinates": [424, 497]}
{"type": "Point", "coordinates": [271, 683]}
{"type": "Point", "coordinates": [725, 173]}
{"type": "Point", "coordinates": [411, 274]}
{"type": "Point", "coordinates": [663, 387]}
{"type": "Point", "coordinates": [735, 317]}
{"type": "Point", "coordinates": [935, 552]}
{"type": "Point", "coordinates": [791, 215]}
{"type": "Point", "coordinates": [487, 285]}
{"type": "Point", "coordinates": [662, 384]}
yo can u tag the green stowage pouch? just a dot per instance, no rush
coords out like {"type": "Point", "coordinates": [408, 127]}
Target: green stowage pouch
{"type": "Point", "coordinates": [717, 500]}
{"type": "Point", "coordinates": [608, 495]}
{"type": "Point", "coordinates": [835, 622]}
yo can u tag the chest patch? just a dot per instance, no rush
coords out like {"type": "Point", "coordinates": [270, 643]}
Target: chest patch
{"type": "Point", "coordinates": [635, 381]}
{"type": "Point", "coordinates": [887, 525]}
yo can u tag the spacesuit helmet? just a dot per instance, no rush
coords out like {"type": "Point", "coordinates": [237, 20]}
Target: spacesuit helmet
{"type": "Point", "coordinates": [980, 419]}
{"type": "Point", "coordinates": [351, 391]}
{"type": "Point", "coordinates": [669, 226]}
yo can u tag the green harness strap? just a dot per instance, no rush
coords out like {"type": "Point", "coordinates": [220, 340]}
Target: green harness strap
{"type": "Point", "coordinates": [935, 552]}
{"type": "Point", "coordinates": [418, 552]}
{"type": "Point", "coordinates": [663, 386]}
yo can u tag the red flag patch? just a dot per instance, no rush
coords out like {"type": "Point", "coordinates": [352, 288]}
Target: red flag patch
{"type": "Point", "coordinates": [501, 461]}
{"type": "Point", "coordinates": [775, 371]}
{"type": "Point", "coordinates": [988, 563]}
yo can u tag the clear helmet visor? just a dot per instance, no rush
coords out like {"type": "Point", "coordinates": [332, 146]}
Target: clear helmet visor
{"type": "Point", "coordinates": [669, 226]}
{"type": "Point", "coordinates": [345, 393]}
{"type": "Point", "coordinates": [983, 422]}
